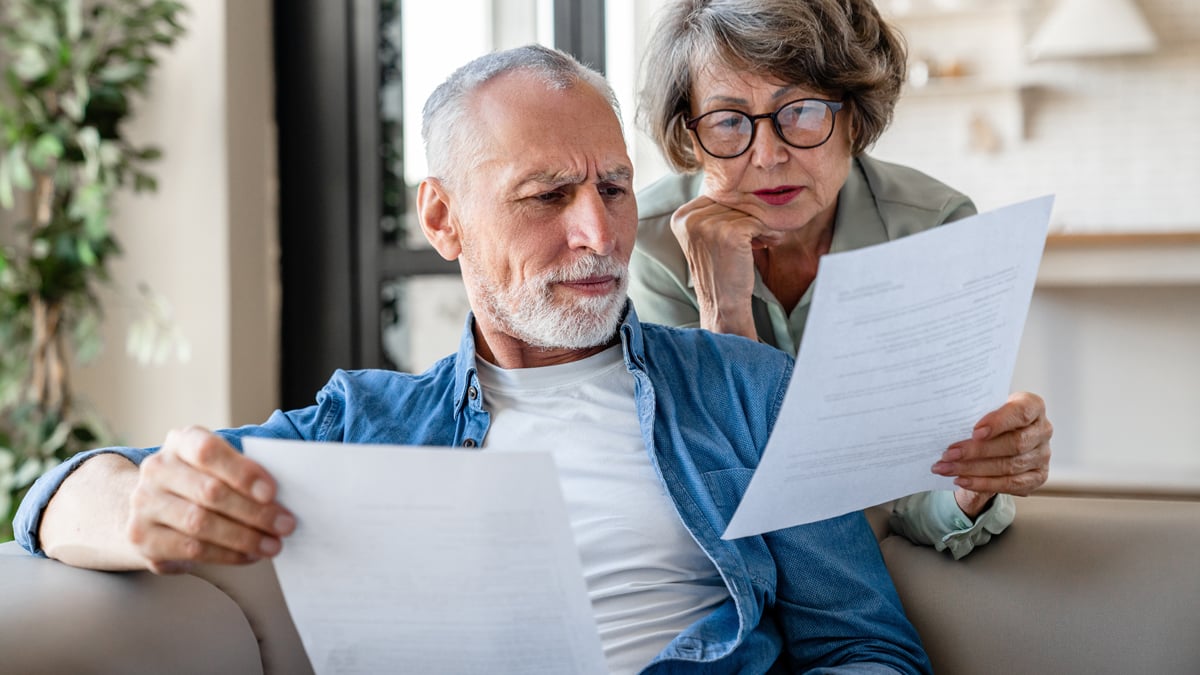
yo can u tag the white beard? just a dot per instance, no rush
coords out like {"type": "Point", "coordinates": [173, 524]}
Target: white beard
{"type": "Point", "coordinates": [529, 312]}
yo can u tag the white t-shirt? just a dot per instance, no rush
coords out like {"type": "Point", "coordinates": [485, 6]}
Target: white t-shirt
{"type": "Point", "coordinates": [647, 577]}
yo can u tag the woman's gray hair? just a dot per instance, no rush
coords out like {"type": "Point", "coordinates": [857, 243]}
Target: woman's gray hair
{"type": "Point", "coordinates": [841, 48]}
{"type": "Point", "coordinates": [451, 144]}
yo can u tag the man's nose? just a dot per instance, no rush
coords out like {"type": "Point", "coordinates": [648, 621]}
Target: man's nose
{"type": "Point", "coordinates": [591, 224]}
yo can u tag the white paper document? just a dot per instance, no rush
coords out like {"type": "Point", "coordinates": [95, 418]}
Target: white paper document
{"type": "Point", "coordinates": [907, 345]}
{"type": "Point", "coordinates": [421, 560]}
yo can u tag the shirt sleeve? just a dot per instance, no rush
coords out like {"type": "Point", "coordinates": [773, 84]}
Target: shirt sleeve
{"type": "Point", "coordinates": [934, 519]}
{"type": "Point", "coordinates": [29, 515]}
{"type": "Point", "coordinates": [659, 295]}
{"type": "Point", "coordinates": [658, 277]}
{"type": "Point", "coordinates": [300, 425]}
{"type": "Point", "coordinates": [835, 602]}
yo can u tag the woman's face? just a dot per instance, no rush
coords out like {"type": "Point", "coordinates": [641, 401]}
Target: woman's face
{"type": "Point", "coordinates": [785, 187]}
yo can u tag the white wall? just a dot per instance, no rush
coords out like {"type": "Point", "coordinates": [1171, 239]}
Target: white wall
{"type": "Point", "coordinates": [206, 240]}
{"type": "Point", "coordinates": [1119, 367]}
{"type": "Point", "coordinates": [1116, 138]}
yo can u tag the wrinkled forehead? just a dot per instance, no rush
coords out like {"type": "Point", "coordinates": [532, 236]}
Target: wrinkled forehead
{"type": "Point", "coordinates": [725, 76]}
{"type": "Point", "coordinates": [525, 127]}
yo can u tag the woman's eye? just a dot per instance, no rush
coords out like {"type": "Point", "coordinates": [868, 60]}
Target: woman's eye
{"type": "Point", "coordinates": [724, 122]}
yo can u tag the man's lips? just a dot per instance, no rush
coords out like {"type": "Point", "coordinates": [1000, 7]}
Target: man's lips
{"type": "Point", "coordinates": [777, 196]}
{"type": "Point", "coordinates": [596, 284]}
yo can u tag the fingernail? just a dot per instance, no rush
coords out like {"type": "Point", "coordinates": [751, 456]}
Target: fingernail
{"type": "Point", "coordinates": [943, 468]}
{"type": "Point", "coordinates": [269, 546]}
{"type": "Point", "coordinates": [952, 454]}
{"type": "Point", "coordinates": [981, 433]}
{"type": "Point", "coordinates": [284, 523]}
{"type": "Point", "coordinates": [261, 491]}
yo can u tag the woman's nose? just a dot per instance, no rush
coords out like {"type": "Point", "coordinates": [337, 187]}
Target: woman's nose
{"type": "Point", "coordinates": [767, 148]}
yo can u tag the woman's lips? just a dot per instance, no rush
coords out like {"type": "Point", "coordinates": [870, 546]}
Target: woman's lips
{"type": "Point", "coordinates": [778, 196]}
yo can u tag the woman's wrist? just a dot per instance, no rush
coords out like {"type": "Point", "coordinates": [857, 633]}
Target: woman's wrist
{"type": "Point", "coordinates": [973, 503]}
{"type": "Point", "coordinates": [720, 322]}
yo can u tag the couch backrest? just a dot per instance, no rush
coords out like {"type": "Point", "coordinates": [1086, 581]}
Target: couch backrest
{"type": "Point", "coordinates": [1075, 585]}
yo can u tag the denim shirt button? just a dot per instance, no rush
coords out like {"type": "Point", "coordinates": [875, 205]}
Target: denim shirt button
{"type": "Point", "coordinates": [472, 393]}
{"type": "Point", "coordinates": [469, 443]}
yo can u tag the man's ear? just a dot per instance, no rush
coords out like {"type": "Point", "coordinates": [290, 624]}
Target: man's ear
{"type": "Point", "coordinates": [440, 226]}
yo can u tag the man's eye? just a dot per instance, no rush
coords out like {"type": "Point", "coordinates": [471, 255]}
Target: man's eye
{"type": "Point", "coordinates": [612, 190]}
{"type": "Point", "coordinates": [549, 197]}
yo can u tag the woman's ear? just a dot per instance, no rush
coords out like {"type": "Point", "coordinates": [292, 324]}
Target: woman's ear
{"type": "Point", "coordinates": [438, 223]}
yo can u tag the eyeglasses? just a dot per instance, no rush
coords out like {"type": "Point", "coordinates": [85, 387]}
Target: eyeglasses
{"type": "Point", "coordinates": [805, 123]}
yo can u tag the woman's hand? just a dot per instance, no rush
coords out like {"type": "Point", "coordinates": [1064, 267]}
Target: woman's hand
{"type": "Point", "coordinates": [719, 244]}
{"type": "Point", "coordinates": [1008, 453]}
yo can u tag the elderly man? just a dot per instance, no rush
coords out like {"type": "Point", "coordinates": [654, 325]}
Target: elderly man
{"type": "Point", "coordinates": [655, 431]}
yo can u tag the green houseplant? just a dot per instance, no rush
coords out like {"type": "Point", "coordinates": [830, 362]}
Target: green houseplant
{"type": "Point", "coordinates": [71, 71]}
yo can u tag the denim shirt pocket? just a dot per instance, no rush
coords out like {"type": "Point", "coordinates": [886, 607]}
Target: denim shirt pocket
{"type": "Point", "coordinates": [727, 487]}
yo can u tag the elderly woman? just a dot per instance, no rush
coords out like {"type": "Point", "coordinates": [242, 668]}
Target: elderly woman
{"type": "Point", "coordinates": [766, 108]}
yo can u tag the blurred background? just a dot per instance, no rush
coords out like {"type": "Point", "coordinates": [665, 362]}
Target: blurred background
{"type": "Point", "coordinates": [282, 237]}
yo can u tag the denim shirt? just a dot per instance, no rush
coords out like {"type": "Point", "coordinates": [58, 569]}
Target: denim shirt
{"type": "Point", "coordinates": [813, 598]}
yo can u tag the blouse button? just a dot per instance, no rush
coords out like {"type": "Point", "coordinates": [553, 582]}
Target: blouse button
{"type": "Point", "coordinates": [469, 443]}
{"type": "Point", "coordinates": [472, 393]}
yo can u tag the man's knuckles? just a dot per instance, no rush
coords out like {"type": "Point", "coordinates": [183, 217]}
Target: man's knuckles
{"type": "Point", "coordinates": [212, 491]}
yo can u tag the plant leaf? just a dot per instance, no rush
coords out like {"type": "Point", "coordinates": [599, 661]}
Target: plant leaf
{"type": "Point", "coordinates": [119, 73]}
{"type": "Point", "coordinates": [30, 64]}
{"type": "Point", "coordinates": [87, 256]}
{"type": "Point", "coordinates": [47, 148]}
{"type": "Point", "coordinates": [57, 439]}
{"type": "Point", "coordinates": [72, 107]}
{"type": "Point", "coordinates": [73, 13]}
{"type": "Point", "coordinates": [21, 177]}
{"type": "Point", "coordinates": [7, 198]}
{"type": "Point", "coordinates": [28, 472]}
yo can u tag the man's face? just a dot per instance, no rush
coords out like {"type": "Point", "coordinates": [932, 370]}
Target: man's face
{"type": "Point", "coordinates": [547, 217]}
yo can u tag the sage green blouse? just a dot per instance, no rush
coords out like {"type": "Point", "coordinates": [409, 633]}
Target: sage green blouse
{"type": "Point", "coordinates": [879, 202]}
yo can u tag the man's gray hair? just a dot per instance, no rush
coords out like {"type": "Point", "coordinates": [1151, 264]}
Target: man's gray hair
{"type": "Point", "coordinates": [451, 144]}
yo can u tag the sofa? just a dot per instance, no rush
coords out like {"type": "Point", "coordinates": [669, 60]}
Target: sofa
{"type": "Point", "coordinates": [1076, 585]}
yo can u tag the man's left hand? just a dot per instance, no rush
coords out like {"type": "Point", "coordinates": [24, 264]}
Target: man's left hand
{"type": "Point", "coordinates": [1008, 453]}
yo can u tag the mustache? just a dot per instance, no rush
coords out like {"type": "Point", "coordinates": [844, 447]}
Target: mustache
{"type": "Point", "coordinates": [588, 266]}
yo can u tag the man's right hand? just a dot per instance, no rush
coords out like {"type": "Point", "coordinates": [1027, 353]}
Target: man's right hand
{"type": "Point", "coordinates": [199, 500]}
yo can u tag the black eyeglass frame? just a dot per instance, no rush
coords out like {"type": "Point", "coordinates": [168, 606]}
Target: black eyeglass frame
{"type": "Point", "coordinates": [833, 106]}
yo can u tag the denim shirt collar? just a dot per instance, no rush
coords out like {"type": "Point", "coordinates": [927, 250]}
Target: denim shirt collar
{"type": "Point", "coordinates": [464, 366]}
{"type": "Point", "coordinates": [465, 377]}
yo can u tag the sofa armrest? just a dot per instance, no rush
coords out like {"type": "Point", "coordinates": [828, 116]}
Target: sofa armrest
{"type": "Point", "coordinates": [255, 588]}
{"type": "Point", "coordinates": [60, 619]}
{"type": "Point", "coordinates": [1075, 585]}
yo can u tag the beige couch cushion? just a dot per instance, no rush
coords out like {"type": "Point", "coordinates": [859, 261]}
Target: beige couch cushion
{"type": "Point", "coordinates": [1076, 585]}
